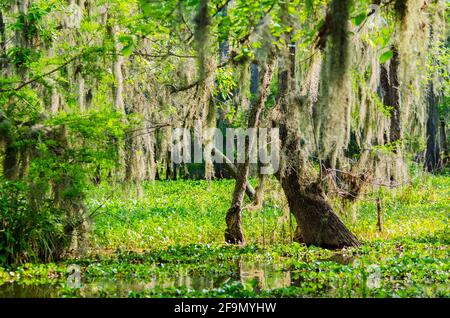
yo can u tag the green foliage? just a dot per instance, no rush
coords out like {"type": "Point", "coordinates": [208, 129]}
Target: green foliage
{"type": "Point", "coordinates": [226, 83]}
{"type": "Point", "coordinates": [27, 233]}
{"type": "Point", "coordinates": [23, 57]}
{"type": "Point", "coordinates": [31, 23]}
{"type": "Point", "coordinates": [386, 56]}
{"type": "Point", "coordinates": [389, 147]}
{"type": "Point", "coordinates": [359, 19]}
{"type": "Point", "coordinates": [34, 211]}
{"type": "Point", "coordinates": [165, 233]}
{"type": "Point", "coordinates": [398, 268]}
{"type": "Point", "coordinates": [161, 219]}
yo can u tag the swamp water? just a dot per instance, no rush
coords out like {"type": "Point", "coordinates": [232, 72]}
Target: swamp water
{"type": "Point", "coordinates": [256, 276]}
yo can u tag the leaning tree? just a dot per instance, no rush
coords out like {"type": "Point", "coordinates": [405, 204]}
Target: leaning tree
{"type": "Point", "coordinates": [350, 105]}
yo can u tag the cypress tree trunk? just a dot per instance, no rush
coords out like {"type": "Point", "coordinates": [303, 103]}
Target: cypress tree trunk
{"type": "Point", "coordinates": [2, 45]}
{"type": "Point", "coordinates": [234, 233]}
{"type": "Point", "coordinates": [224, 55]}
{"type": "Point", "coordinates": [254, 78]}
{"type": "Point", "coordinates": [230, 167]}
{"type": "Point", "coordinates": [139, 145]}
{"type": "Point", "coordinates": [432, 154]}
{"type": "Point", "coordinates": [317, 224]}
{"type": "Point", "coordinates": [259, 192]}
{"type": "Point", "coordinates": [117, 88]}
{"type": "Point", "coordinates": [10, 159]}
{"type": "Point", "coordinates": [391, 95]}
{"type": "Point", "coordinates": [24, 40]}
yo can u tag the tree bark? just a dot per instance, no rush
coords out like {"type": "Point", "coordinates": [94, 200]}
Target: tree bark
{"type": "Point", "coordinates": [259, 192]}
{"type": "Point", "coordinates": [317, 224]}
{"type": "Point", "coordinates": [391, 95]}
{"type": "Point", "coordinates": [432, 154]}
{"type": "Point", "coordinates": [254, 78]}
{"type": "Point", "coordinates": [3, 57]}
{"type": "Point", "coordinates": [231, 168]}
{"type": "Point", "coordinates": [10, 159]}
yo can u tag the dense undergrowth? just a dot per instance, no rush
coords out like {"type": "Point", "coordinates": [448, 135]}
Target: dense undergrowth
{"type": "Point", "coordinates": [168, 243]}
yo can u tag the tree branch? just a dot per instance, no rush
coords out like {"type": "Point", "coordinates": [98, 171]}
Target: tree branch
{"type": "Point", "coordinates": [219, 9]}
{"type": "Point", "coordinates": [231, 168]}
{"type": "Point", "coordinates": [40, 76]}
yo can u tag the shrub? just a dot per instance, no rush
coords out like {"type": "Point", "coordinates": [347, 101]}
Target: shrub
{"type": "Point", "coordinates": [27, 234]}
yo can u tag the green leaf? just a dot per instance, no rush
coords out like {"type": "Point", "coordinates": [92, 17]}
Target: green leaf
{"type": "Point", "coordinates": [386, 56]}
{"type": "Point", "coordinates": [125, 38]}
{"type": "Point", "coordinates": [146, 7]}
{"type": "Point", "coordinates": [128, 49]}
{"type": "Point", "coordinates": [359, 19]}
{"type": "Point", "coordinates": [257, 45]}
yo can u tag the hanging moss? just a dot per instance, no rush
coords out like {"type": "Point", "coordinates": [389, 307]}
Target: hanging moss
{"type": "Point", "coordinates": [332, 111]}
{"type": "Point", "coordinates": [338, 45]}
{"type": "Point", "coordinates": [202, 24]}
{"type": "Point", "coordinates": [413, 68]}
{"type": "Point", "coordinates": [243, 98]}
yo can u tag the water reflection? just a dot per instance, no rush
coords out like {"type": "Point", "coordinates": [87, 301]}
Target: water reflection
{"type": "Point", "coordinates": [264, 275]}
{"type": "Point", "coordinates": [259, 275]}
{"type": "Point", "coordinates": [341, 259]}
{"type": "Point", "coordinates": [15, 290]}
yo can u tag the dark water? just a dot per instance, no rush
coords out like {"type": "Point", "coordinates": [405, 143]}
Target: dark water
{"type": "Point", "coordinates": [16, 290]}
{"type": "Point", "coordinates": [260, 275]}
